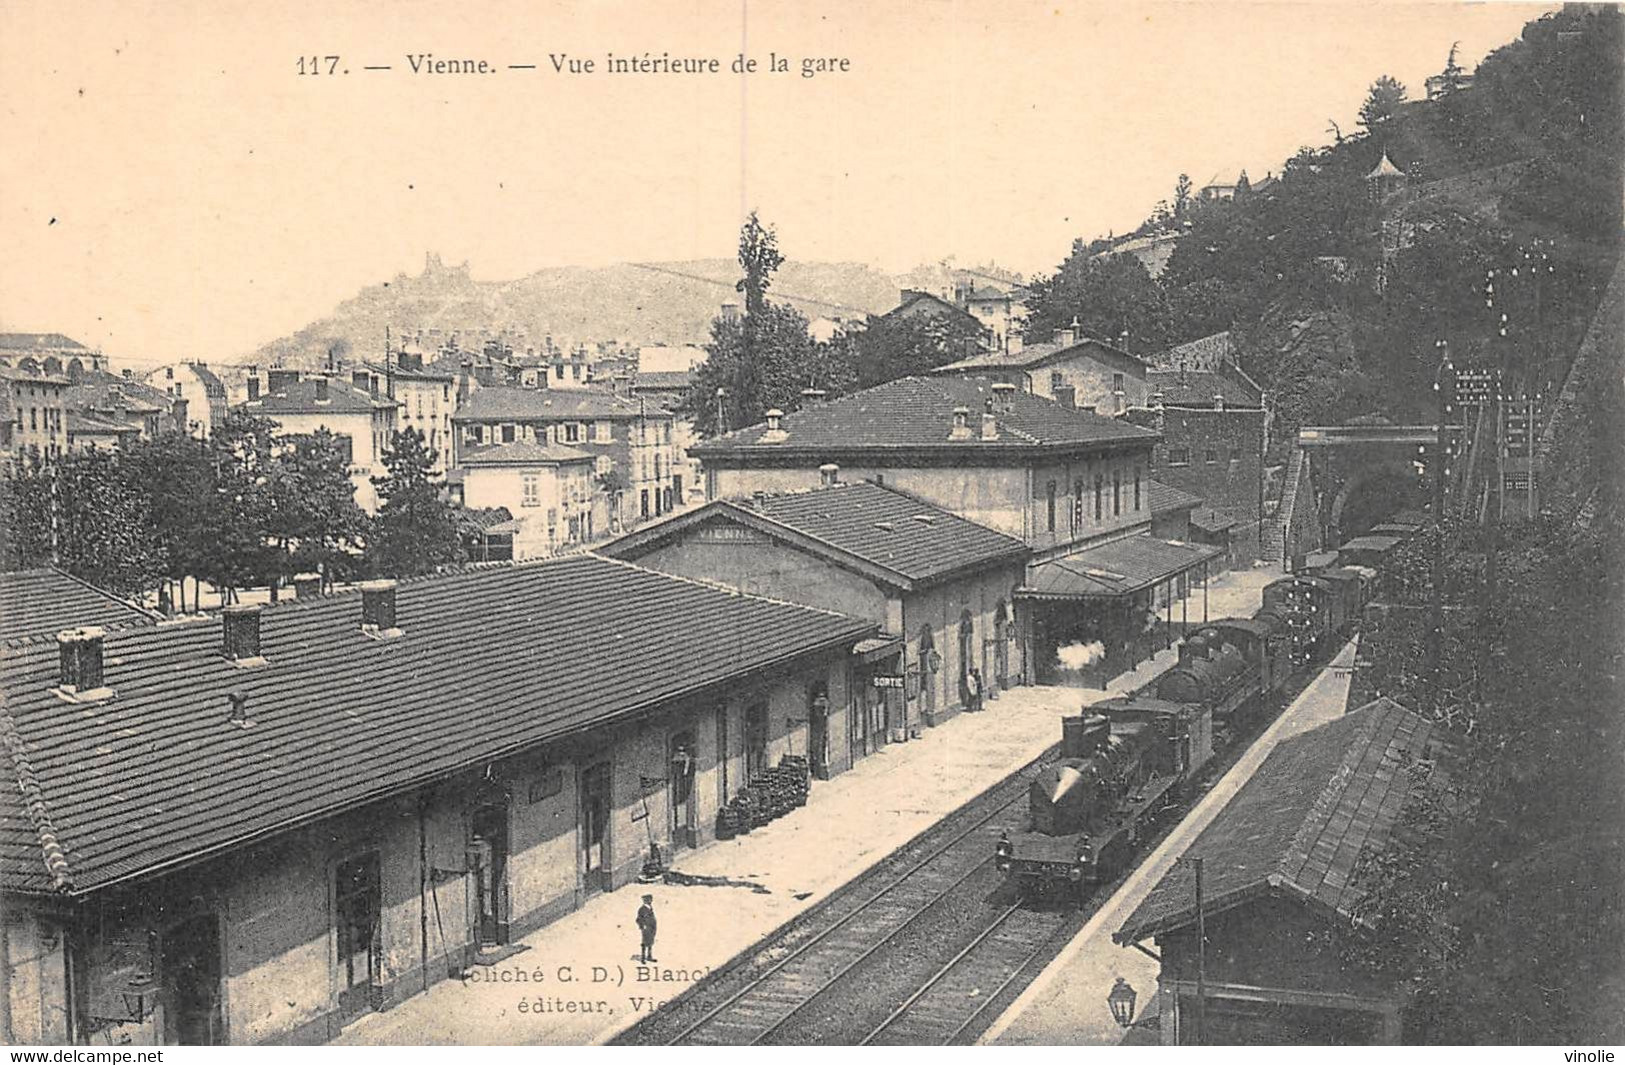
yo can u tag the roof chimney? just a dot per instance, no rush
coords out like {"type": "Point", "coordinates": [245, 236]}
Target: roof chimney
{"type": "Point", "coordinates": [240, 632]}
{"type": "Point", "coordinates": [730, 312]}
{"type": "Point", "coordinates": [829, 474]}
{"type": "Point", "coordinates": [378, 608]}
{"type": "Point", "coordinates": [811, 397]}
{"type": "Point", "coordinates": [253, 386]}
{"type": "Point", "coordinates": [1066, 337]}
{"type": "Point", "coordinates": [321, 390]}
{"type": "Point", "coordinates": [775, 431]}
{"type": "Point", "coordinates": [307, 585]}
{"type": "Point", "coordinates": [1012, 343]}
{"type": "Point", "coordinates": [362, 380]}
{"type": "Point", "coordinates": [79, 653]}
{"type": "Point", "coordinates": [1218, 401]}
{"type": "Point", "coordinates": [1002, 391]}
{"type": "Point", "coordinates": [990, 425]}
{"type": "Point", "coordinates": [961, 429]}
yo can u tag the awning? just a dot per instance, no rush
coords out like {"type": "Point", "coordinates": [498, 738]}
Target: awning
{"type": "Point", "coordinates": [1113, 570]}
{"type": "Point", "coordinates": [876, 648]}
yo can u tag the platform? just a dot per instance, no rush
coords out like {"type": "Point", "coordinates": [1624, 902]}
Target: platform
{"type": "Point", "coordinates": [577, 981]}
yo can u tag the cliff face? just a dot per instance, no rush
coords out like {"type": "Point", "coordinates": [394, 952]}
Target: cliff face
{"type": "Point", "coordinates": [637, 303]}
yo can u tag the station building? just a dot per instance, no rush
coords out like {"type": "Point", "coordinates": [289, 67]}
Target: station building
{"type": "Point", "coordinates": [941, 589]}
{"type": "Point", "coordinates": [254, 827]}
{"type": "Point", "coordinates": [1068, 482]}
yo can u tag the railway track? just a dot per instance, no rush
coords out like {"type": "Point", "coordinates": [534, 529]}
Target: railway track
{"type": "Point", "coordinates": [927, 948]}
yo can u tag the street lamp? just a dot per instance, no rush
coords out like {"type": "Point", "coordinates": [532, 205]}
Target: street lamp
{"type": "Point", "coordinates": [1121, 1001]}
{"type": "Point", "coordinates": [135, 992]}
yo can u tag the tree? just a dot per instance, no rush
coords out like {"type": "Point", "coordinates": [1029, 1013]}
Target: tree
{"type": "Point", "coordinates": [894, 346]}
{"type": "Point", "coordinates": [1382, 101]}
{"type": "Point", "coordinates": [1182, 195]}
{"type": "Point", "coordinates": [1243, 186]}
{"type": "Point", "coordinates": [237, 517]}
{"type": "Point", "coordinates": [761, 361]}
{"type": "Point", "coordinates": [1107, 296]}
{"type": "Point", "coordinates": [315, 522]}
{"type": "Point", "coordinates": [175, 471]}
{"type": "Point", "coordinates": [1452, 70]}
{"type": "Point", "coordinates": [415, 530]}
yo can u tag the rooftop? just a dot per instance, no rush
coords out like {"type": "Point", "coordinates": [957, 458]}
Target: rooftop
{"type": "Point", "coordinates": [918, 413]}
{"type": "Point", "coordinates": [490, 662]}
{"type": "Point", "coordinates": [1196, 388]}
{"type": "Point", "coordinates": [910, 541]}
{"type": "Point", "coordinates": [1165, 498]}
{"type": "Point", "coordinates": [1033, 355]}
{"type": "Point", "coordinates": [299, 397]}
{"type": "Point", "coordinates": [539, 404]}
{"type": "Point", "coordinates": [1211, 350]}
{"type": "Point", "coordinates": [44, 601]}
{"type": "Point", "coordinates": [521, 453]}
{"type": "Point", "coordinates": [1299, 825]}
{"type": "Point", "coordinates": [1114, 569]}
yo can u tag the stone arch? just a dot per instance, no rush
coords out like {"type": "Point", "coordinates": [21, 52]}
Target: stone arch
{"type": "Point", "coordinates": [1394, 468]}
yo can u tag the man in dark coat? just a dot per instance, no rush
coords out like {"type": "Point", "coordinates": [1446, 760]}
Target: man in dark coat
{"type": "Point", "coordinates": [646, 926]}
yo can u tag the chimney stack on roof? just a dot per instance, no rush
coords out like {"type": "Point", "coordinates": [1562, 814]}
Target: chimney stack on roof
{"type": "Point", "coordinates": [321, 390]}
{"type": "Point", "coordinates": [775, 427]}
{"type": "Point", "coordinates": [811, 397]}
{"type": "Point", "coordinates": [730, 311]}
{"type": "Point", "coordinates": [1012, 343]}
{"type": "Point", "coordinates": [240, 633]}
{"type": "Point", "coordinates": [362, 380]}
{"type": "Point", "coordinates": [378, 608]}
{"type": "Point", "coordinates": [1066, 337]}
{"type": "Point", "coordinates": [1218, 401]}
{"type": "Point", "coordinates": [829, 474]}
{"type": "Point", "coordinates": [307, 585]}
{"type": "Point", "coordinates": [79, 653]}
{"type": "Point", "coordinates": [961, 426]}
{"type": "Point", "coordinates": [1002, 391]}
{"type": "Point", "coordinates": [990, 425]}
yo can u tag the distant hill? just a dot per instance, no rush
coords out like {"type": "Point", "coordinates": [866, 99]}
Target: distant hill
{"type": "Point", "coordinates": [637, 303]}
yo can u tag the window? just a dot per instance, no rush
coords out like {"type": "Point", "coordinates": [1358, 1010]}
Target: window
{"type": "Point", "coordinates": [1117, 382]}
{"type": "Point", "coordinates": [558, 370]}
{"type": "Point", "coordinates": [1211, 455]}
{"type": "Point", "coordinates": [643, 505]}
{"type": "Point", "coordinates": [1136, 488]}
{"type": "Point", "coordinates": [1117, 492]}
{"type": "Point", "coordinates": [533, 489]}
{"type": "Point", "coordinates": [1179, 456]}
{"type": "Point", "coordinates": [572, 433]}
{"type": "Point", "coordinates": [507, 434]}
{"type": "Point", "coordinates": [601, 432]}
{"type": "Point", "coordinates": [1077, 504]}
{"type": "Point", "coordinates": [479, 434]}
{"type": "Point", "coordinates": [1049, 491]}
{"type": "Point", "coordinates": [1100, 483]}
{"type": "Point", "coordinates": [346, 446]}
{"type": "Point", "coordinates": [603, 464]}
{"type": "Point", "coordinates": [1057, 380]}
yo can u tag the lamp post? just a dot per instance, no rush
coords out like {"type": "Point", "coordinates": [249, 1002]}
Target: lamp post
{"type": "Point", "coordinates": [1441, 471]}
{"type": "Point", "coordinates": [1121, 1001]}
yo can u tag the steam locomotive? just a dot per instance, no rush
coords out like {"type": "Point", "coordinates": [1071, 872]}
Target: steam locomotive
{"type": "Point", "coordinates": [1128, 760]}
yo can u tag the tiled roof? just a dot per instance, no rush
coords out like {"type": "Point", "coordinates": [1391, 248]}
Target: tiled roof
{"type": "Point", "coordinates": [1031, 355]}
{"type": "Point", "coordinates": [1212, 520]}
{"type": "Point", "coordinates": [913, 541]}
{"type": "Point", "coordinates": [85, 424]}
{"type": "Point", "coordinates": [34, 376]}
{"type": "Point", "coordinates": [525, 404]}
{"type": "Point", "coordinates": [1196, 388]}
{"type": "Point", "coordinates": [1299, 825]}
{"type": "Point", "coordinates": [664, 379]}
{"type": "Point", "coordinates": [521, 453]}
{"type": "Point", "coordinates": [39, 342]}
{"type": "Point", "coordinates": [43, 602]}
{"type": "Point", "coordinates": [490, 662]}
{"type": "Point", "coordinates": [299, 397]}
{"type": "Point", "coordinates": [1114, 569]}
{"type": "Point", "coordinates": [917, 412]}
{"type": "Point", "coordinates": [110, 392]}
{"type": "Point", "coordinates": [1164, 498]}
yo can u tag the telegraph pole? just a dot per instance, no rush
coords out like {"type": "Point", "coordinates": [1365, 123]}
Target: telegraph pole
{"type": "Point", "coordinates": [1441, 470]}
{"type": "Point", "coordinates": [1201, 961]}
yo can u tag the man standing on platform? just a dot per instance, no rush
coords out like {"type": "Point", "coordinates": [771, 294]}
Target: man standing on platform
{"type": "Point", "coordinates": [646, 926]}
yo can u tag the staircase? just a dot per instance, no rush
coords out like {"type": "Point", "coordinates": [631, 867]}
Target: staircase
{"type": "Point", "coordinates": [1272, 544]}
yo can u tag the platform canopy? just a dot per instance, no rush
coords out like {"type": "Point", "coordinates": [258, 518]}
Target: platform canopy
{"type": "Point", "coordinates": [1115, 569]}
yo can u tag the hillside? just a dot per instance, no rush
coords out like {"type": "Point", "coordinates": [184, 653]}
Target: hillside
{"type": "Point", "coordinates": [638, 303]}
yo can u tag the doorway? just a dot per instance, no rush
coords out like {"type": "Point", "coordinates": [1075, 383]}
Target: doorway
{"type": "Point", "coordinates": [488, 866]}
{"type": "Point", "coordinates": [755, 741]}
{"type": "Point", "coordinates": [595, 810]}
{"type": "Point", "coordinates": [967, 661]}
{"type": "Point", "coordinates": [680, 776]}
{"type": "Point", "coordinates": [818, 730]}
{"type": "Point", "coordinates": [357, 910]}
{"type": "Point", "coordinates": [1001, 645]}
{"type": "Point", "coordinates": [189, 958]}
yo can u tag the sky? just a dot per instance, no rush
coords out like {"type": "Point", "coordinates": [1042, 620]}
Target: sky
{"type": "Point", "coordinates": [175, 188]}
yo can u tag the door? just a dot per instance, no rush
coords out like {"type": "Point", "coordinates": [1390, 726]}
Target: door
{"type": "Point", "coordinates": [189, 959]}
{"type": "Point", "coordinates": [680, 785]}
{"type": "Point", "coordinates": [1001, 646]}
{"type": "Point", "coordinates": [755, 741]}
{"type": "Point", "coordinates": [967, 661]}
{"type": "Point", "coordinates": [818, 730]}
{"type": "Point", "coordinates": [595, 808]}
{"type": "Point", "coordinates": [488, 866]}
{"type": "Point", "coordinates": [357, 907]}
